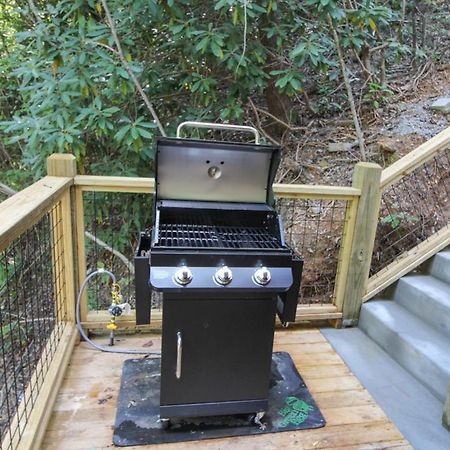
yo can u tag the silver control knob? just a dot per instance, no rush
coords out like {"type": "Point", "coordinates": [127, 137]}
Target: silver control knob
{"type": "Point", "coordinates": [183, 276]}
{"type": "Point", "coordinates": [223, 275]}
{"type": "Point", "coordinates": [262, 276]}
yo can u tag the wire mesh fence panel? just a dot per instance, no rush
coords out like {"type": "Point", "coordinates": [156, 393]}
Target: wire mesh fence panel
{"type": "Point", "coordinates": [32, 315]}
{"type": "Point", "coordinates": [113, 222]}
{"type": "Point", "coordinates": [314, 229]}
{"type": "Point", "coordinates": [412, 209]}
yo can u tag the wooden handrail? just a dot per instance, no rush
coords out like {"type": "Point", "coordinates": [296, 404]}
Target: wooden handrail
{"type": "Point", "coordinates": [316, 191]}
{"type": "Point", "coordinates": [416, 158]}
{"type": "Point", "coordinates": [115, 184]}
{"type": "Point", "coordinates": [407, 262]}
{"type": "Point", "coordinates": [147, 185]}
{"type": "Point", "coordinates": [19, 212]}
{"type": "Point", "coordinates": [101, 318]}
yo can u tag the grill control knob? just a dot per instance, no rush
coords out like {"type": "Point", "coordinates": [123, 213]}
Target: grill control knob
{"type": "Point", "coordinates": [223, 275]}
{"type": "Point", "coordinates": [183, 276]}
{"type": "Point", "coordinates": [262, 276]}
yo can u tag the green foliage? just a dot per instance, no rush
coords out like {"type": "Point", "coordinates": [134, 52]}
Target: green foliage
{"type": "Point", "coordinates": [76, 96]}
{"type": "Point", "coordinates": [396, 219]}
{"type": "Point", "coordinates": [377, 95]}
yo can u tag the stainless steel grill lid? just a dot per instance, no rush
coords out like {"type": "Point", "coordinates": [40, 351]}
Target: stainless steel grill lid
{"type": "Point", "coordinates": [201, 170]}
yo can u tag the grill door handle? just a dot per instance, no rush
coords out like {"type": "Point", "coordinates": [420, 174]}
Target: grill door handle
{"type": "Point", "coordinates": [179, 355]}
{"type": "Point", "coordinates": [218, 126]}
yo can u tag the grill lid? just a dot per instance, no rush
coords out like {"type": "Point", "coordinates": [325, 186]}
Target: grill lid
{"type": "Point", "coordinates": [202, 170]}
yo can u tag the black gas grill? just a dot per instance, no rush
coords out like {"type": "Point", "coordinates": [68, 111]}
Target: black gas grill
{"type": "Point", "coordinates": [217, 253]}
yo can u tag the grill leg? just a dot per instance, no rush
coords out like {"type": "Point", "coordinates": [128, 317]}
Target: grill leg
{"type": "Point", "coordinates": [256, 420]}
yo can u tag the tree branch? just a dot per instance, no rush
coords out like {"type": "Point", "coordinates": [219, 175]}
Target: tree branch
{"type": "Point", "coordinates": [270, 138]}
{"type": "Point", "coordinates": [101, 44]}
{"type": "Point", "coordinates": [5, 152]}
{"type": "Point", "coordinates": [104, 245]}
{"type": "Point", "coordinates": [125, 64]}
{"type": "Point", "coordinates": [7, 190]}
{"type": "Point", "coordinates": [281, 122]}
{"type": "Point", "coordinates": [351, 100]}
{"type": "Point", "coordinates": [34, 10]}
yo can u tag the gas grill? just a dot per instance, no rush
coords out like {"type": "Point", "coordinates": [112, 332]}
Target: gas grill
{"type": "Point", "coordinates": [216, 252]}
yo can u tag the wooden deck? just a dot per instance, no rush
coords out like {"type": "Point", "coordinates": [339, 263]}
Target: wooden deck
{"type": "Point", "coordinates": [84, 412]}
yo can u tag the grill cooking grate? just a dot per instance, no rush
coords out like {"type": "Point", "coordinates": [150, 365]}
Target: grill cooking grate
{"type": "Point", "coordinates": [207, 236]}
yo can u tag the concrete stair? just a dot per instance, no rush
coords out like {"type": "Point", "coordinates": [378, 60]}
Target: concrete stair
{"type": "Point", "coordinates": [413, 326]}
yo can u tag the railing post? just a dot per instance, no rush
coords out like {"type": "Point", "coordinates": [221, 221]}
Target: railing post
{"type": "Point", "coordinates": [80, 251]}
{"type": "Point", "coordinates": [64, 165]}
{"type": "Point", "coordinates": [446, 415]}
{"type": "Point", "coordinates": [366, 177]}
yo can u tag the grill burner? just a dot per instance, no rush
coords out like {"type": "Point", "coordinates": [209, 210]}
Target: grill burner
{"type": "Point", "coordinates": [207, 236]}
{"type": "Point", "coordinates": [217, 253]}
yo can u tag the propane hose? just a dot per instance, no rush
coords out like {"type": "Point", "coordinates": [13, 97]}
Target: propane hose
{"type": "Point", "coordinates": [83, 333]}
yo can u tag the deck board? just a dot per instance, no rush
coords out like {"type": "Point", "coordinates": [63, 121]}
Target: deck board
{"type": "Point", "coordinates": [84, 412]}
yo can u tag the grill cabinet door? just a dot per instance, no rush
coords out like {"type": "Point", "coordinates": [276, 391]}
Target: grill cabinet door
{"type": "Point", "coordinates": [226, 349]}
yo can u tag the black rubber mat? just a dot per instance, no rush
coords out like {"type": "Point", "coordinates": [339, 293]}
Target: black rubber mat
{"type": "Point", "coordinates": [291, 407]}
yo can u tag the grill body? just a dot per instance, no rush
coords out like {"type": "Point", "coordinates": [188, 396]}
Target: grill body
{"type": "Point", "coordinates": [224, 270]}
{"type": "Point", "coordinates": [226, 354]}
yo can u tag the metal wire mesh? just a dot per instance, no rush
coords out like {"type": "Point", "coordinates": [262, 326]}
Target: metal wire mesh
{"type": "Point", "coordinates": [412, 209]}
{"type": "Point", "coordinates": [113, 222]}
{"type": "Point", "coordinates": [32, 314]}
{"type": "Point", "coordinates": [314, 228]}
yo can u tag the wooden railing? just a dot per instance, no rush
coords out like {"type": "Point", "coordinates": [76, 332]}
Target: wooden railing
{"type": "Point", "coordinates": [354, 236]}
{"type": "Point", "coordinates": [37, 292]}
{"type": "Point", "coordinates": [415, 193]}
{"type": "Point", "coordinates": [52, 212]}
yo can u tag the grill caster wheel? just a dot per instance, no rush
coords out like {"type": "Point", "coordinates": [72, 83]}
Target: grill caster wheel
{"type": "Point", "coordinates": [255, 419]}
{"type": "Point", "coordinates": [165, 423]}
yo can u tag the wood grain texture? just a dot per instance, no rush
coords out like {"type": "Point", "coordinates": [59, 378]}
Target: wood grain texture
{"type": "Point", "coordinates": [316, 191]}
{"type": "Point", "coordinates": [21, 211]}
{"type": "Point", "coordinates": [84, 412]}
{"type": "Point", "coordinates": [367, 178]}
{"type": "Point", "coordinates": [99, 319]}
{"type": "Point", "coordinates": [147, 185]}
{"type": "Point", "coordinates": [416, 158]}
{"type": "Point", "coordinates": [68, 271]}
{"type": "Point", "coordinates": [79, 249]}
{"type": "Point", "coordinates": [115, 184]}
{"type": "Point", "coordinates": [33, 430]}
{"type": "Point", "coordinates": [64, 165]}
{"type": "Point", "coordinates": [446, 413]}
{"type": "Point", "coordinates": [61, 165]}
{"type": "Point", "coordinates": [345, 253]}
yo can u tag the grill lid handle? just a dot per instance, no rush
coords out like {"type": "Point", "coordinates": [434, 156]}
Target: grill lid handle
{"type": "Point", "coordinates": [218, 126]}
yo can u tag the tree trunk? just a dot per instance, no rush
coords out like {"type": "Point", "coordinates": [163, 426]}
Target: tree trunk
{"type": "Point", "coordinates": [278, 104]}
{"type": "Point", "coordinates": [351, 100]}
{"type": "Point", "coordinates": [382, 68]}
{"type": "Point", "coordinates": [365, 59]}
{"type": "Point", "coordinates": [414, 34]}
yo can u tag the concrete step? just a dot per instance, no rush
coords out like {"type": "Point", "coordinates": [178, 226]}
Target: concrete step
{"type": "Point", "coordinates": [440, 266]}
{"type": "Point", "coordinates": [410, 405]}
{"type": "Point", "coordinates": [428, 298]}
{"type": "Point", "coordinates": [422, 351]}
